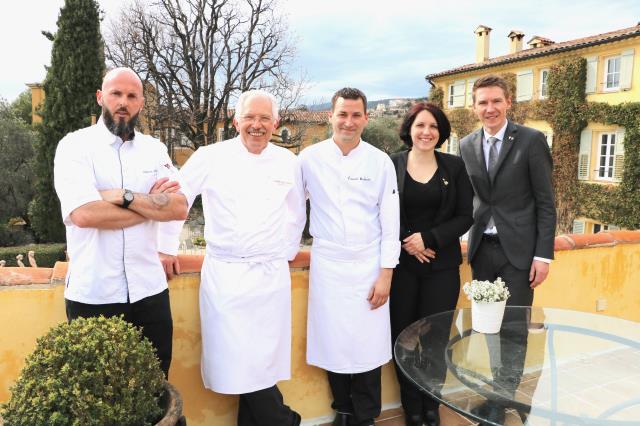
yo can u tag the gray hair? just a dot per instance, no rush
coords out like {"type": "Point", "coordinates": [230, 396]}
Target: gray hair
{"type": "Point", "coordinates": [245, 96]}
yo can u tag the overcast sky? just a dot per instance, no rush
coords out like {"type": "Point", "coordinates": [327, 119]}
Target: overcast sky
{"type": "Point", "coordinates": [383, 47]}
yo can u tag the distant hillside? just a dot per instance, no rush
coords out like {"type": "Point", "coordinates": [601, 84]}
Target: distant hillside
{"type": "Point", "coordinates": [371, 105]}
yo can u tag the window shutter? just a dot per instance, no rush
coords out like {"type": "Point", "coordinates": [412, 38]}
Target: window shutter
{"type": "Point", "coordinates": [578, 227]}
{"type": "Point", "coordinates": [584, 154]}
{"type": "Point", "coordinates": [452, 147]}
{"type": "Point", "coordinates": [626, 69]}
{"type": "Point", "coordinates": [524, 84]}
{"type": "Point", "coordinates": [618, 162]}
{"type": "Point", "coordinates": [592, 71]}
{"type": "Point", "coordinates": [470, 92]}
{"type": "Point", "coordinates": [458, 93]}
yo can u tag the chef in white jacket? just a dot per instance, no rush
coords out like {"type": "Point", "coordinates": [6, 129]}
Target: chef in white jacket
{"type": "Point", "coordinates": [355, 227]}
{"type": "Point", "coordinates": [254, 212]}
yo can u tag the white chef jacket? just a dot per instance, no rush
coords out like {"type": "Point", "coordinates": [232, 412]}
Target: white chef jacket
{"type": "Point", "coordinates": [109, 265]}
{"type": "Point", "coordinates": [254, 214]}
{"type": "Point", "coordinates": [355, 222]}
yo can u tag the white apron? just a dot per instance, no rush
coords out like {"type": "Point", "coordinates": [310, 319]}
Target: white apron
{"type": "Point", "coordinates": [344, 335]}
{"type": "Point", "coordinates": [245, 315]}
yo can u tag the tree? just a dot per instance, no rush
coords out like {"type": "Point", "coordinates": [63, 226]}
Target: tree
{"type": "Point", "coordinates": [383, 134]}
{"type": "Point", "coordinates": [16, 144]}
{"type": "Point", "coordinates": [196, 57]}
{"type": "Point", "coordinates": [21, 106]}
{"type": "Point", "coordinates": [77, 67]}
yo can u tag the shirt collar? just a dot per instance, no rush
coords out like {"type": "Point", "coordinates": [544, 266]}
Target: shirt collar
{"type": "Point", "coordinates": [266, 152]}
{"type": "Point", "coordinates": [337, 151]}
{"type": "Point", "coordinates": [499, 134]}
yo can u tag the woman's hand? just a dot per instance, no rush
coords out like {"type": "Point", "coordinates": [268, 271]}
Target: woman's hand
{"type": "Point", "coordinates": [414, 245]}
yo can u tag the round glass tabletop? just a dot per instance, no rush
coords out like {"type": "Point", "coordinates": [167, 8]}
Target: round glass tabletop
{"type": "Point", "coordinates": [545, 367]}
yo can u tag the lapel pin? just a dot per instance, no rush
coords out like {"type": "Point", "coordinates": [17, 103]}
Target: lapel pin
{"type": "Point", "coordinates": [510, 138]}
{"type": "Point", "coordinates": [445, 182]}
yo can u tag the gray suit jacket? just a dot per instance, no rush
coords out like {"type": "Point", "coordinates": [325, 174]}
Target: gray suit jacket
{"type": "Point", "coordinates": [519, 194]}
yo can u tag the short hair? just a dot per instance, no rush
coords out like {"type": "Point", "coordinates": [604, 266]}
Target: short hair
{"type": "Point", "coordinates": [491, 80]}
{"type": "Point", "coordinates": [444, 127]}
{"type": "Point", "coordinates": [256, 93]}
{"type": "Point", "coordinates": [349, 93]}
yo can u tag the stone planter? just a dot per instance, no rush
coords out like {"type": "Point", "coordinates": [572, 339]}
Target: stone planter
{"type": "Point", "coordinates": [486, 317]}
{"type": "Point", "coordinates": [172, 401]}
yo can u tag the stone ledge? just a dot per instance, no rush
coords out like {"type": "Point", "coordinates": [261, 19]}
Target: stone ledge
{"type": "Point", "coordinates": [192, 263]}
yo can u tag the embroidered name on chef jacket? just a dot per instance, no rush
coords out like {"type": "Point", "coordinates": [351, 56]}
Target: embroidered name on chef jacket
{"type": "Point", "coordinates": [363, 178]}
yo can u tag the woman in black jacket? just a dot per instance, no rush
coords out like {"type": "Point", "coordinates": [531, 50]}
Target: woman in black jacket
{"type": "Point", "coordinates": [436, 208]}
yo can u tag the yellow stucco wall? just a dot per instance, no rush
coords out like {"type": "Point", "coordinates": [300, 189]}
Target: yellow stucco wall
{"type": "Point", "coordinates": [578, 279]}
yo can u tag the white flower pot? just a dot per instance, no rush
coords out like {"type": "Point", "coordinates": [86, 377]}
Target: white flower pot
{"type": "Point", "coordinates": [486, 317]}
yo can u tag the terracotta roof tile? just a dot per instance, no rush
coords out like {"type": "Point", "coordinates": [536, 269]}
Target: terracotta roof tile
{"type": "Point", "coordinates": [545, 50]}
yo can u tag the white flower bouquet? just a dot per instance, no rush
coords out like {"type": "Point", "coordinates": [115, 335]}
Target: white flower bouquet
{"type": "Point", "coordinates": [486, 291]}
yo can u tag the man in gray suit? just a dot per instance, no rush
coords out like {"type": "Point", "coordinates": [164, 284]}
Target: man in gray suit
{"type": "Point", "coordinates": [514, 216]}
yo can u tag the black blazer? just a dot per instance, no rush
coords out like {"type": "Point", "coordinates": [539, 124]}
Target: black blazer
{"type": "Point", "coordinates": [518, 194]}
{"type": "Point", "coordinates": [455, 213]}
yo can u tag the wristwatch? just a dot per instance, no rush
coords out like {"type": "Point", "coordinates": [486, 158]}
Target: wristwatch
{"type": "Point", "coordinates": [127, 198]}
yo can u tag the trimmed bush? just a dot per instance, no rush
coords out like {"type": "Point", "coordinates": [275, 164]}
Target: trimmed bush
{"type": "Point", "coordinates": [46, 254]}
{"type": "Point", "coordinates": [95, 371]}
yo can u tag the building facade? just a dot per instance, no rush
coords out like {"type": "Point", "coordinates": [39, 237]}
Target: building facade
{"type": "Point", "coordinates": [612, 77]}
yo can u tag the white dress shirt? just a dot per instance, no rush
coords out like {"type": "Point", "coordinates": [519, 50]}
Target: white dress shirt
{"type": "Point", "coordinates": [354, 197]}
{"type": "Point", "coordinates": [242, 199]}
{"type": "Point", "coordinates": [109, 265]}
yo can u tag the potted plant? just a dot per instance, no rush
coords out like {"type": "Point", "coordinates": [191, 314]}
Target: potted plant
{"type": "Point", "coordinates": [488, 300]}
{"type": "Point", "coordinates": [95, 371]}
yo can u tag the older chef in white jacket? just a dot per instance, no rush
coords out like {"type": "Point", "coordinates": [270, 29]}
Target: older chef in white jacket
{"type": "Point", "coordinates": [355, 227]}
{"type": "Point", "coordinates": [254, 213]}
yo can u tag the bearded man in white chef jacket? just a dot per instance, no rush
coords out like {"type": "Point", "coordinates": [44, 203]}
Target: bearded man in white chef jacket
{"type": "Point", "coordinates": [254, 213]}
{"type": "Point", "coordinates": [355, 227]}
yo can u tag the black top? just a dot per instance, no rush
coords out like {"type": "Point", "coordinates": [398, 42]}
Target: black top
{"type": "Point", "coordinates": [421, 201]}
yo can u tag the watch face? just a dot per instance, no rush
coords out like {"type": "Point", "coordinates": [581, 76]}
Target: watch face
{"type": "Point", "coordinates": [128, 196]}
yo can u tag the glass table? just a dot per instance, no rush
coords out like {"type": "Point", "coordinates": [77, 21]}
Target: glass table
{"type": "Point", "coordinates": [545, 367]}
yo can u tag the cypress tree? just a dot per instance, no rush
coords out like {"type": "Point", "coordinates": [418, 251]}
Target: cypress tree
{"type": "Point", "coordinates": [77, 67]}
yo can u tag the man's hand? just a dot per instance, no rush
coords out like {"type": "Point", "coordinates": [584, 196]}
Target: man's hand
{"type": "Point", "coordinates": [379, 293]}
{"type": "Point", "coordinates": [164, 185]}
{"type": "Point", "coordinates": [538, 273]}
{"type": "Point", "coordinates": [414, 245]}
{"type": "Point", "coordinates": [170, 264]}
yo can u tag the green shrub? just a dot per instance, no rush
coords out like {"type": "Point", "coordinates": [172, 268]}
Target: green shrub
{"type": "Point", "coordinates": [94, 371]}
{"type": "Point", "coordinates": [46, 254]}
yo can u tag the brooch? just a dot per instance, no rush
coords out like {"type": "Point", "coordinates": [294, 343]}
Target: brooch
{"type": "Point", "coordinates": [445, 182]}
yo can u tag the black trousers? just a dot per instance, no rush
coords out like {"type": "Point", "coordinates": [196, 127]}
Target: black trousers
{"type": "Point", "coordinates": [265, 408]}
{"type": "Point", "coordinates": [152, 314]}
{"type": "Point", "coordinates": [490, 263]}
{"type": "Point", "coordinates": [359, 394]}
{"type": "Point", "coordinates": [414, 297]}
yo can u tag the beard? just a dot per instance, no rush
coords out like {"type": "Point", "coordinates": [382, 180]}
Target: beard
{"type": "Point", "coordinates": [123, 129]}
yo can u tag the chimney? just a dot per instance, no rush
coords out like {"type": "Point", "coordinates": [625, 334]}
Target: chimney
{"type": "Point", "coordinates": [516, 37]}
{"type": "Point", "coordinates": [482, 43]}
{"type": "Point", "coordinates": [538, 41]}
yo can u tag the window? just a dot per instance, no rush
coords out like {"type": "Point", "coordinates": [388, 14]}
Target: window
{"type": "Point", "coordinates": [220, 134]}
{"type": "Point", "coordinates": [612, 73]}
{"type": "Point", "coordinates": [606, 156]}
{"type": "Point", "coordinates": [456, 94]}
{"type": "Point", "coordinates": [285, 135]}
{"type": "Point", "coordinates": [544, 91]}
{"type": "Point", "coordinates": [600, 227]}
{"type": "Point", "coordinates": [578, 227]}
